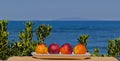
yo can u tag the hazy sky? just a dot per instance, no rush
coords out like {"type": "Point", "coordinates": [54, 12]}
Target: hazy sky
{"type": "Point", "coordinates": [59, 9]}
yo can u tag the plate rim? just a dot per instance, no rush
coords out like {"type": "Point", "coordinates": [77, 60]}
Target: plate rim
{"type": "Point", "coordinates": [87, 53]}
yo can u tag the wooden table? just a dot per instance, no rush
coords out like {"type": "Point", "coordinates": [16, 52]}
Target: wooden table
{"type": "Point", "coordinates": [29, 58]}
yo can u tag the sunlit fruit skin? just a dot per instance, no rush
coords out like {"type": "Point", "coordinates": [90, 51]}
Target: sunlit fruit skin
{"type": "Point", "coordinates": [53, 49]}
{"type": "Point", "coordinates": [79, 49]}
{"type": "Point", "coordinates": [66, 49]}
{"type": "Point", "coordinates": [41, 49]}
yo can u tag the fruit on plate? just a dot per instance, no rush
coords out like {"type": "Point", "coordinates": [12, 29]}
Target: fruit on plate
{"type": "Point", "coordinates": [41, 49]}
{"type": "Point", "coordinates": [79, 49]}
{"type": "Point", "coordinates": [66, 49]}
{"type": "Point", "coordinates": [53, 48]}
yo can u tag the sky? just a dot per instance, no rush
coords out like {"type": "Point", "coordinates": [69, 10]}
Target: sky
{"type": "Point", "coordinates": [59, 9]}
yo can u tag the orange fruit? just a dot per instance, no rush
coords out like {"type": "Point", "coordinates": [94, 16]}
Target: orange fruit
{"type": "Point", "coordinates": [79, 49]}
{"type": "Point", "coordinates": [41, 49]}
{"type": "Point", "coordinates": [66, 49]}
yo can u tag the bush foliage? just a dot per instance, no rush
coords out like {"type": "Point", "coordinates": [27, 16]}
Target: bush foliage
{"type": "Point", "coordinates": [4, 49]}
{"type": "Point", "coordinates": [26, 45]}
{"type": "Point", "coordinates": [83, 39]}
{"type": "Point", "coordinates": [113, 47]}
{"type": "Point", "coordinates": [42, 32]}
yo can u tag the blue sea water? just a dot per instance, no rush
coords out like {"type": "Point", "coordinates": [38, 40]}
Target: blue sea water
{"type": "Point", "coordinates": [68, 31]}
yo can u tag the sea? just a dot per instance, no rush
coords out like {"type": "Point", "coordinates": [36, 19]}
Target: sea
{"type": "Point", "coordinates": [68, 31]}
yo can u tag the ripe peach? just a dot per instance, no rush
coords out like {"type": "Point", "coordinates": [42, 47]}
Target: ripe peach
{"type": "Point", "coordinates": [79, 49]}
{"type": "Point", "coordinates": [66, 49]}
{"type": "Point", "coordinates": [41, 49]}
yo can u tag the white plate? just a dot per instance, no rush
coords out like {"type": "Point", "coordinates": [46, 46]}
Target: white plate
{"type": "Point", "coordinates": [61, 56]}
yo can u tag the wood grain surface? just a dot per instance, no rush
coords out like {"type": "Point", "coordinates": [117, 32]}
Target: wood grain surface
{"type": "Point", "coordinates": [30, 58]}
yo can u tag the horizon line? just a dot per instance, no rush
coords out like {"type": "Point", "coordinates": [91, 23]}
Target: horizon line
{"type": "Point", "coordinates": [64, 20]}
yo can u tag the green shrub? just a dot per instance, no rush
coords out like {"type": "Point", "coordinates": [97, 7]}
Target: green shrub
{"type": "Point", "coordinates": [95, 52]}
{"type": "Point", "coordinates": [4, 49]}
{"type": "Point", "coordinates": [42, 32]}
{"type": "Point", "coordinates": [25, 46]}
{"type": "Point", "coordinates": [113, 47]}
{"type": "Point", "coordinates": [117, 46]}
{"type": "Point", "coordinates": [83, 39]}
